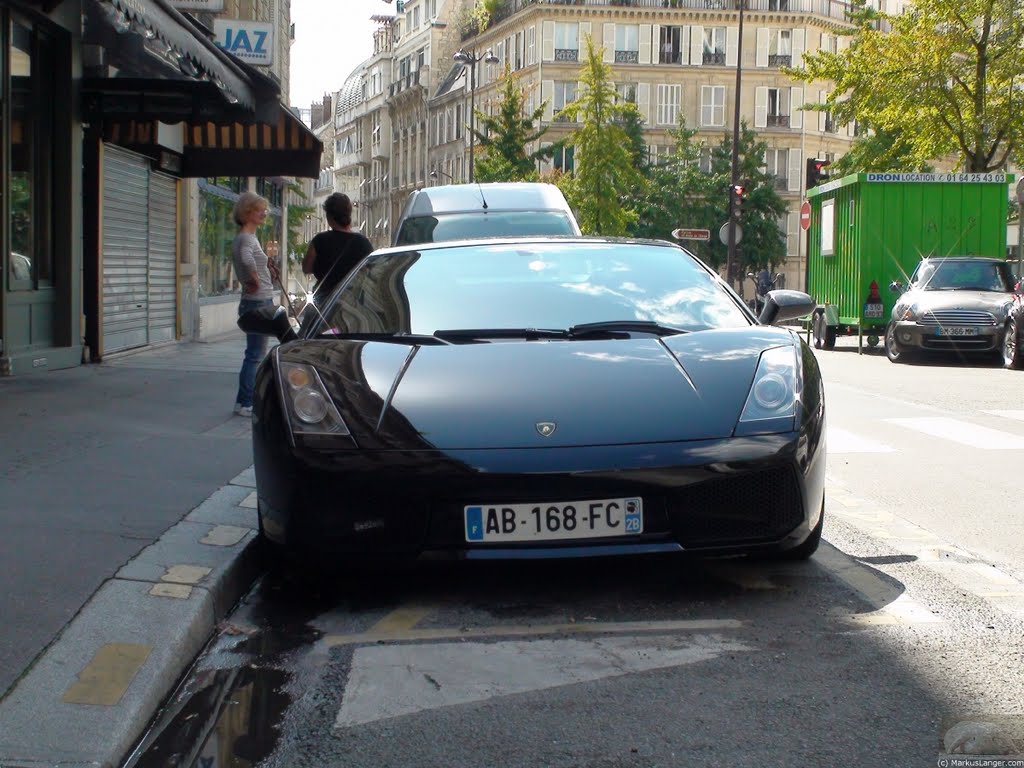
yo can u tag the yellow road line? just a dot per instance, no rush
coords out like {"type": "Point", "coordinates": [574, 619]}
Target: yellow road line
{"type": "Point", "coordinates": [401, 619]}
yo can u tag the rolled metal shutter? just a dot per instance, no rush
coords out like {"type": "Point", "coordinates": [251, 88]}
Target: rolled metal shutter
{"type": "Point", "coordinates": [125, 249]}
{"type": "Point", "coordinates": [163, 258]}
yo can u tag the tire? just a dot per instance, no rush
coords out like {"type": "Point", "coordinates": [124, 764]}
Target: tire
{"type": "Point", "coordinates": [818, 330]}
{"type": "Point", "coordinates": [872, 341]}
{"type": "Point", "coordinates": [830, 336]}
{"type": "Point", "coordinates": [1013, 356]}
{"type": "Point", "coordinates": [893, 349]}
{"type": "Point", "coordinates": [808, 546]}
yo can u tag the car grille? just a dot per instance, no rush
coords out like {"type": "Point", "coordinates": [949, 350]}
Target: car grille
{"type": "Point", "coordinates": [752, 507]}
{"type": "Point", "coordinates": [959, 317]}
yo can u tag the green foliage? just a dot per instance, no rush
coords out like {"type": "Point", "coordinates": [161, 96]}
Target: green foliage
{"type": "Point", "coordinates": [482, 12]}
{"type": "Point", "coordinates": [502, 140]}
{"type": "Point", "coordinates": [604, 161]}
{"type": "Point", "coordinates": [946, 79]}
{"type": "Point", "coordinates": [879, 151]}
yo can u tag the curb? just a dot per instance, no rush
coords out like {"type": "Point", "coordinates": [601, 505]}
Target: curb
{"type": "Point", "coordinates": [89, 698]}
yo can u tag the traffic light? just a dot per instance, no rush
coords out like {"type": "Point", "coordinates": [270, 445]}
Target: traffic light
{"type": "Point", "coordinates": [816, 173]}
{"type": "Point", "coordinates": [737, 193]}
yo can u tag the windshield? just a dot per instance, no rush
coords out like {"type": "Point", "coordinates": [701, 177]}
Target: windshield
{"type": "Point", "coordinates": [530, 285]}
{"type": "Point", "coordinates": [963, 275]}
{"type": "Point", "coordinates": [464, 226]}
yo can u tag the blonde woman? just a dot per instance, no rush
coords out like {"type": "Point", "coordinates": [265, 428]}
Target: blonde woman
{"type": "Point", "coordinates": [257, 274]}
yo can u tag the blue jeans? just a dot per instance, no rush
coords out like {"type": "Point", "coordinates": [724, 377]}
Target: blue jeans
{"type": "Point", "coordinates": [255, 349]}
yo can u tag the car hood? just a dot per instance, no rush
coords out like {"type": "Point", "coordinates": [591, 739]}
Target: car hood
{"type": "Point", "coordinates": [931, 301]}
{"type": "Point", "coordinates": [502, 394]}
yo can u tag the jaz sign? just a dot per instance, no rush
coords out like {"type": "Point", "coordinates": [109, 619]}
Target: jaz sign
{"type": "Point", "coordinates": [250, 41]}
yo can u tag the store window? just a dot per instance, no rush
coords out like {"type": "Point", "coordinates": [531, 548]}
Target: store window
{"type": "Point", "coordinates": [217, 229]}
{"type": "Point", "coordinates": [32, 68]}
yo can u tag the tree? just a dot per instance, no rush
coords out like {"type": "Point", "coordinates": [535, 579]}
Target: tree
{"type": "Point", "coordinates": [947, 77]}
{"type": "Point", "coordinates": [880, 150]}
{"type": "Point", "coordinates": [604, 163]}
{"type": "Point", "coordinates": [504, 138]}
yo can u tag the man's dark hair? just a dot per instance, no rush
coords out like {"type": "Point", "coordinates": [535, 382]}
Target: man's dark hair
{"type": "Point", "coordinates": [339, 208]}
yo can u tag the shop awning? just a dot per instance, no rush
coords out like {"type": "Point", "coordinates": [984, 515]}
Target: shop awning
{"type": "Point", "coordinates": [146, 63]}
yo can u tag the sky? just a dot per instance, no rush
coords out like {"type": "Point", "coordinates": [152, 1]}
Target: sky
{"type": "Point", "coordinates": [332, 37]}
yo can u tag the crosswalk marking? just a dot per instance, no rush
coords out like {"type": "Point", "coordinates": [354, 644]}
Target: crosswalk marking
{"type": "Point", "coordinates": [841, 441]}
{"type": "Point", "coordinates": [962, 432]}
{"type": "Point", "coordinates": [1015, 415]}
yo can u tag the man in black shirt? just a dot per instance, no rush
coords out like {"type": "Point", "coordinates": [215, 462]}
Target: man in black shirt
{"type": "Point", "coordinates": [332, 254]}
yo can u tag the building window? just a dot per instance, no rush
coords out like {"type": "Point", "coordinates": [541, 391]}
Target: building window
{"type": "Point", "coordinates": [776, 163]}
{"type": "Point", "coordinates": [780, 48]}
{"type": "Point", "coordinates": [626, 92]}
{"type": "Point", "coordinates": [217, 230]}
{"type": "Point", "coordinates": [627, 43]}
{"type": "Point", "coordinates": [669, 98]}
{"type": "Point", "coordinates": [712, 105]}
{"type": "Point", "coordinates": [670, 46]}
{"type": "Point", "coordinates": [704, 160]}
{"type": "Point", "coordinates": [778, 108]}
{"type": "Point", "coordinates": [567, 42]}
{"type": "Point", "coordinates": [33, 69]}
{"type": "Point", "coordinates": [565, 93]}
{"type": "Point", "coordinates": [714, 45]}
{"type": "Point", "coordinates": [564, 158]}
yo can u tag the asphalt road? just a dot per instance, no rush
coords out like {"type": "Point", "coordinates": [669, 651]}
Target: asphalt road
{"type": "Point", "coordinates": [904, 629]}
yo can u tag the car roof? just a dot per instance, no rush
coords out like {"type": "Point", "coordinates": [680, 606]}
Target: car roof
{"type": "Point", "coordinates": [526, 240]}
{"type": "Point", "coordinates": [505, 196]}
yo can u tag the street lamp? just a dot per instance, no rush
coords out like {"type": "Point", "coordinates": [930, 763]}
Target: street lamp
{"type": "Point", "coordinates": [473, 58]}
{"type": "Point", "coordinates": [434, 173]}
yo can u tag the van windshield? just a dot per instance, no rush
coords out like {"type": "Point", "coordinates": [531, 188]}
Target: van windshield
{"type": "Point", "coordinates": [461, 226]}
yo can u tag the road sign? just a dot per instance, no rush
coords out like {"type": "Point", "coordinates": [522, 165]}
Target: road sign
{"type": "Point", "coordinates": [691, 234]}
{"type": "Point", "coordinates": [723, 233]}
{"type": "Point", "coordinates": [805, 216]}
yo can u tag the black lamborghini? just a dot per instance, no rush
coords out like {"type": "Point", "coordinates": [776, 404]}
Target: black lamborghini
{"type": "Point", "coordinates": [540, 397]}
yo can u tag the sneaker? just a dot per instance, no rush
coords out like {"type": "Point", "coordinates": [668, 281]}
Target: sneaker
{"type": "Point", "coordinates": [243, 410]}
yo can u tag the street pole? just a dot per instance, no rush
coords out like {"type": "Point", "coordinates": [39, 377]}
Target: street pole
{"type": "Point", "coordinates": [472, 58]}
{"type": "Point", "coordinates": [1020, 225]}
{"type": "Point", "coordinates": [730, 258]}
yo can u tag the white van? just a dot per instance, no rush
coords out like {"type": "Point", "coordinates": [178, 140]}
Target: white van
{"type": "Point", "coordinates": [492, 209]}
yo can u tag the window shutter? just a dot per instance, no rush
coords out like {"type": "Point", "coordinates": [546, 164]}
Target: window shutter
{"type": "Point", "coordinates": [799, 43]}
{"type": "Point", "coordinates": [684, 45]}
{"type": "Point", "coordinates": [696, 45]}
{"type": "Point", "coordinates": [792, 234]}
{"type": "Point", "coordinates": [762, 47]}
{"type": "Point", "coordinates": [531, 46]}
{"type": "Point", "coordinates": [795, 168]}
{"type": "Point", "coordinates": [545, 163]}
{"type": "Point", "coordinates": [583, 35]}
{"type": "Point", "coordinates": [643, 101]}
{"type": "Point", "coordinates": [732, 45]}
{"type": "Point", "coordinates": [821, 115]}
{"type": "Point", "coordinates": [547, 94]}
{"type": "Point", "coordinates": [761, 107]}
{"type": "Point", "coordinates": [609, 43]}
{"type": "Point", "coordinates": [645, 44]}
{"type": "Point", "coordinates": [796, 103]}
{"type": "Point", "coordinates": [547, 50]}
{"type": "Point", "coordinates": [656, 43]}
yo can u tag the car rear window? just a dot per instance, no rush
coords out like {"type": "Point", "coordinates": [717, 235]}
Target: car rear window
{"type": "Point", "coordinates": [464, 226]}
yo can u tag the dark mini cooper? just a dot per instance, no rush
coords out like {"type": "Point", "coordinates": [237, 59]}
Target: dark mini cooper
{"type": "Point", "coordinates": [541, 398]}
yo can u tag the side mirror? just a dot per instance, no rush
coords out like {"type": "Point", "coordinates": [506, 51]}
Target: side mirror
{"type": "Point", "coordinates": [268, 321]}
{"type": "Point", "coordinates": [896, 286]}
{"type": "Point", "coordinates": [782, 305]}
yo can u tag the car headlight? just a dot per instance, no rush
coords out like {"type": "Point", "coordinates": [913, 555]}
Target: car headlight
{"type": "Point", "coordinates": [309, 407]}
{"type": "Point", "coordinates": [774, 394]}
{"type": "Point", "coordinates": [909, 312]}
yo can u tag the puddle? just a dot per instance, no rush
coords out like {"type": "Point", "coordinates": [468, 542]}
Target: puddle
{"type": "Point", "coordinates": [223, 718]}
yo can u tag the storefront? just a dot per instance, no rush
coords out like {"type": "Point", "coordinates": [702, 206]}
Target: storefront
{"type": "Point", "coordinates": [40, 251]}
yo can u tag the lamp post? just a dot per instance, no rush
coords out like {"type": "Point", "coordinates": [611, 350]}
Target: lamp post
{"type": "Point", "coordinates": [434, 173]}
{"type": "Point", "coordinates": [730, 258]}
{"type": "Point", "coordinates": [472, 58]}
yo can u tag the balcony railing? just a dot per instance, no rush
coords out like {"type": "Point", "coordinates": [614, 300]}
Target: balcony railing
{"type": "Point", "coordinates": [567, 54]}
{"type": "Point", "coordinates": [836, 9]}
{"type": "Point", "coordinates": [627, 57]}
{"type": "Point", "coordinates": [780, 60]}
{"type": "Point", "coordinates": [670, 56]}
{"type": "Point", "coordinates": [778, 121]}
{"type": "Point", "coordinates": [714, 57]}
{"type": "Point", "coordinates": [781, 183]}
{"type": "Point", "coordinates": [830, 124]}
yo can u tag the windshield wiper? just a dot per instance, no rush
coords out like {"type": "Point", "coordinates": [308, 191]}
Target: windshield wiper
{"type": "Point", "coordinates": [483, 334]}
{"type": "Point", "coordinates": [397, 338]}
{"type": "Point", "coordinates": [623, 326]}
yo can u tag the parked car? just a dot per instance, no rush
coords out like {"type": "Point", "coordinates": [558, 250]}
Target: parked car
{"type": "Point", "coordinates": [540, 397]}
{"type": "Point", "coordinates": [497, 209]}
{"type": "Point", "coordinates": [1013, 338]}
{"type": "Point", "coordinates": [951, 304]}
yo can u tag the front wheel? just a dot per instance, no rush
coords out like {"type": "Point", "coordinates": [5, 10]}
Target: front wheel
{"type": "Point", "coordinates": [893, 349]}
{"type": "Point", "coordinates": [1013, 356]}
{"type": "Point", "coordinates": [809, 545]}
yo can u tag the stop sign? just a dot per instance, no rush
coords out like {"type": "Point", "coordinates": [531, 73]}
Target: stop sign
{"type": "Point", "coordinates": [805, 216]}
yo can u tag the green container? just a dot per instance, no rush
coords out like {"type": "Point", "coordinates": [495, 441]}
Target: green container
{"type": "Point", "coordinates": [869, 229]}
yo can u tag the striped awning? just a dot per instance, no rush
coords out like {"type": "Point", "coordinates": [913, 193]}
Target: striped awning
{"type": "Point", "coordinates": [285, 147]}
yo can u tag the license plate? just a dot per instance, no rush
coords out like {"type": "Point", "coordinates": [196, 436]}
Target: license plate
{"type": "Point", "coordinates": [873, 311]}
{"type": "Point", "coordinates": [554, 521]}
{"type": "Point", "coordinates": [956, 331]}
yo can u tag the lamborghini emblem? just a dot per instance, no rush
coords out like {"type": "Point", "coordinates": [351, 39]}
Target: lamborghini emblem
{"type": "Point", "coordinates": [546, 428]}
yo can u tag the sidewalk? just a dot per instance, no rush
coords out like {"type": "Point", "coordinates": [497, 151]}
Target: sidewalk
{"type": "Point", "coordinates": [108, 590]}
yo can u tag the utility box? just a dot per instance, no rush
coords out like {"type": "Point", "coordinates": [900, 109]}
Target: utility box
{"type": "Point", "coordinates": [870, 229]}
